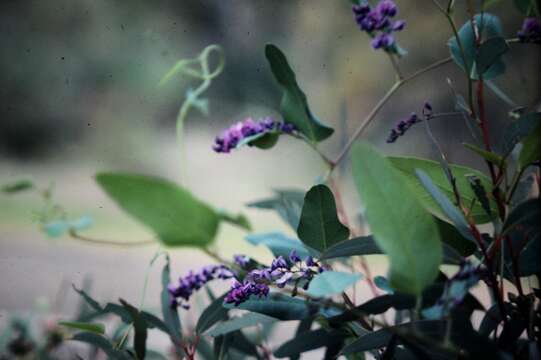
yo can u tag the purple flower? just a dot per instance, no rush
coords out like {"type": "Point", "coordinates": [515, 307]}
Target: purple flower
{"type": "Point", "coordinates": [232, 136]}
{"type": "Point", "coordinates": [241, 260]}
{"type": "Point", "coordinates": [293, 257]}
{"type": "Point", "coordinates": [187, 285]}
{"type": "Point", "coordinates": [377, 23]}
{"type": "Point", "coordinates": [279, 262]}
{"type": "Point", "coordinates": [282, 281]}
{"type": "Point", "coordinates": [531, 30]}
{"type": "Point", "coordinates": [403, 125]}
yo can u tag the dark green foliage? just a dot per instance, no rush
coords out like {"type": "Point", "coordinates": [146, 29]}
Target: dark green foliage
{"type": "Point", "coordinates": [294, 105]}
{"type": "Point", "coordinates": [319, 227]}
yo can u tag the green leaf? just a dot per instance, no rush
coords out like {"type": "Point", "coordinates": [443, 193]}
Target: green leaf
{"type": "Point", "coordinates": [294, 106]}
{"type": "Point", "coordinates": [211, 315]}
{"type": "Point", "coordinates": [286, 202]}
{"type": "Point", "coordinates": [489, 27]}
{"type": "Point", "coordinates": [170, 314]}
{"type": "Point", "coordinates": [517, 131]}
{"type": "Point", "coordinates": [56, 228]}
{"type": "Point", "coordinates": [415, 252]}
{"type": "Point", "coordinates": [140, 328]}
{"type": "Point", "coordinates": [279, 244]}
{"type": "Point", "coordinates": [364, 245]}
{"type": "Point", "coordinates": [79, 325]}
{"type": "Point", "coordinates": [531, 149]}
{"type": "Point", "coordinates": [88, 299]}
{"type": "Point", "coordinates": [319, 226]}
{"type": "Point", "coordinates": [407, 166]}
{"type": "Point", "coordinates": [177, 218]}
{"type": "Point", "coordinates": [278, 306]}
{"type": "Point", "coordinates": [17, 186]}
{"type": "Point", "coordinates": [487, 155]}
{"type": "Point", "coordinates": [383, 284]}
{"type": "Point", "coordinates": [101, 343]}
{"type": "Point", "coordinates": [331, 282]}
{"type": "Point", "coordinates": [490, 53]}
{"type": "Point", "coordinates": [247, 320]}
{"type": "Point", "coordinates": [263, 141]}
{"type": "Point", "coordinates": [309, 340]}
{"type": "Point", "coordinates": [235, 219]}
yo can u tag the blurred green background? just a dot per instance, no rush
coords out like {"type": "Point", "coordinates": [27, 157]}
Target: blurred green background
{"type": "Point", "coordinates": [79, 95]}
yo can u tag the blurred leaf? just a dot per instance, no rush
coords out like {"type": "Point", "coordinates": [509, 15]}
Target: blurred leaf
{"type": "Point", "coordinates": [309, 340]}
{"type": "Point", "coordinates": [247, 320]}
{"type": "Point", "coordinates": [517, 131]}
{"type": "Point", "coordinates": [391, 209]}
{"type": "Point", "coordinates": [319, 226]}
{"type": "Point", "coordinates": [380, 338]}
{"type": "Point", "coordinates": [154, 322]}
{"type": "Point", "coordinates": [17, 186]}
{"type": "Point", "coordinates": [169, 313]}
{"type": "Point", "coordinates": [78, 325]}
{"type": "Point", "coordinates": [101, 343]}
{"type": "Point", "coordinates": [287, 203]}
{"type": "Point", "coordinates": [211, 315]}
{"type": "Point", "coordinates": [363, 245]}
{"type": "Point", "coordinates": [331, 282]}
{"type": "Point", "coordinates": [140, 329]}
{"type": "Point", "coordinates": [450, 210]}
{"type": "Point", "coordinates": [82, 223]}
{"type": "Point", "coordinates": [490, 53]}
{"type": "Point", "coordinates": [487, 155]}
{"type": "Point", "coordinates": [407, 166]}
{"type": "Point", "coordinates": [278, 306]}
{"type": "Point", "coordinates": [89, 300]}
{"type": "Point", "coordinates": [480, 192]}
{"type": "Point", "coordinates": [265, 140]}
{"type": "Point", "coordinates": [278, 244]}
{"type": "Point", "coordinates": [294, 106]}
{"type": "Point", "coordinates": [454, 239]}
{"type": "Point", "coordinates": [489, 27]}
{"type": "Point", "coordinates": [528, 261]}
{"type": "Point", "coordinates": [236, 219]}
{"type": "Point", "coordinates": [56, 228]}
{"type": "Point", "coordinates": [304, 326]}
{"type": "Point", "coordinates": [176, 217]}
{"type": "Point", "coordinates": [383, 284]}
{"type": "Point", "coordinates": [531, 150]}
{"type": "Point", "coordinates": [492, 318]}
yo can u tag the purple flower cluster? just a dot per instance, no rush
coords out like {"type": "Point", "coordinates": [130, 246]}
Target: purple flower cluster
{"type": "Point", "coordinates": [403, 125]}
{"type": "Point", "coordinates": [281, 273]}
{"type": "Point", "coordinates": [377, 22]}
{"type": "Point", "coordinates": [192, 282]}
{"type": "Point", "coordinates": [531, 31]}
{"type": "Point", "coordinates": [233, 135]}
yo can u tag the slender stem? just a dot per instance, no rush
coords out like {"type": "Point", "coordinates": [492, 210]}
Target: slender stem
{"type": "Point", "coordinates": [76, 235]}
{"type": "Point", "coordinates": [380, 105]}
{"type": "Point", "coordinates": [396, 67]}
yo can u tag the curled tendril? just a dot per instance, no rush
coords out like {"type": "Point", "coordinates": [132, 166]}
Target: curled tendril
{"type": "Point", "coordinates": [198, 68]}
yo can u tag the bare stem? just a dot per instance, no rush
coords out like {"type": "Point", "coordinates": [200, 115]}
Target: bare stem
{"type": "Point", "coordinates": [76, 235]}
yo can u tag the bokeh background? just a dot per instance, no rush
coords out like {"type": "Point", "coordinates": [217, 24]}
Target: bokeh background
{"type": "Point", "coordinates": [80, 95]}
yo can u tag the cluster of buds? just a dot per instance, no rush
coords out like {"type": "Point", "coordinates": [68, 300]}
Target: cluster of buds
{"type": "Point", "coordinates": [403, 125]}
{"type": "Point", "coordinates": [282, 272]}
{"type": "Point", "coordinates": [531, 31]}
{"type": "Point", "coordinates": [187, 285]}
{"type": "Point", "coordinates": [235, 134]}
{"type": "Point", "coordinates": [377, 22]}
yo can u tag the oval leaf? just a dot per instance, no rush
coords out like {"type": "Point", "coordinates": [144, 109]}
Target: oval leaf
{"type": "Point", "coordinates": [319, 226]}
{"type": "Point", "coordinates": [402, 228]}
{"type": "Point", "coordinates": [177, 218]}
{"type": "Point", "coordinates": [331, 282]}
{"type": "Point", "coordinates": [278, 306]}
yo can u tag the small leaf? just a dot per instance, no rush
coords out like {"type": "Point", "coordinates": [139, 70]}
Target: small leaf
{"type": "Point", "coordinates": [531, 149]}
{"type": "Point", "coordinates": [489, 27]}
{"type": "Point", "coordinates": [247, 320]}
{"type": "Point", "coordinates": [140, 329]}
{"type": "Point", "coordinates": [89, 300]}
{"type": "Point", "coordinates": [279, 244]}
{"type": "Point", "coordinates": [17, 186]}
{"type": "Point", "coordinates": [331, 282]}
{"type": "Point", "coordinates": [364, 245]}
{"type": "Point", "coordinates": [319, 226]}
{"type": "Point", "coordinates": [391, 209]}
{"type": "Point", "coordinates": [264, 140]}
{"type": "Point", "coordinates": [407, 166]}
{"type": "Point", "coordinates": [211, 315]}
{"type": "Point", "coordinates": [278, 306]}
{"type": "Point", "coordinates": [446, 206]}
{"type": "Point", "coordinates": [170, 314]}
{"type": "Point", "coordinates": [309, 340]}
{"type": "Point", "coordinates": [82, 223]}
{"type": "Point", "coordinates": [56, 228]}
{"type": "Point", "coordinates": [490, 52]}
{"type": "Point", "coordinates": [286, 202]}
{"type": "Point", "coordinates": [177, 218]}
{"type": "Point", "coordinates": [383, 284]}
{"type": "Point", "coordinates": [487, 155]}
{"type": "Point", "coordinates": [517, 131]}
{"type": "Point", "coordinates": [85, 326]}
{"type": "Point", "coordinates": [101, 343]}
{"type": "Point", "coordinates": [294, 106]}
